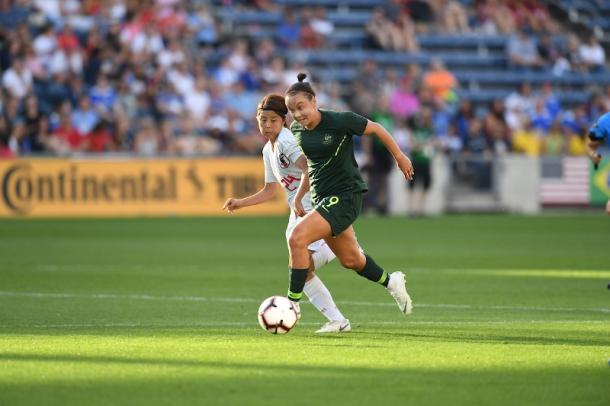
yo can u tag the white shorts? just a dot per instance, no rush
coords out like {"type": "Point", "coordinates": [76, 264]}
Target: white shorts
{"type": "Point", "coordinates": [293, 220]}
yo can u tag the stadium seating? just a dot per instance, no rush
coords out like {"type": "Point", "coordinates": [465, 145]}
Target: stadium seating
{"type": "Point", "coordinates": [479, 62]}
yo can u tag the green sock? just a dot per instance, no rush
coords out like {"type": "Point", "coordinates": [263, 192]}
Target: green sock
{"type": "Point", "coordinates": [297, 283]}
{"type": "Point", "coordinates": [374, 272]}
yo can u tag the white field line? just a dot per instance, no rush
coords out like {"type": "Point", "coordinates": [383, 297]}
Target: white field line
{"type": "Point", "coordinates": [254, 324]}
{"type": "Point", "coordinates": [251, 300]}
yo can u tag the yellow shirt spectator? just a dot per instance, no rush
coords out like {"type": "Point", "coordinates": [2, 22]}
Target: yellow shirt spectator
{"type": "Point", "coordinates": [527, 141]}
{"type": "Point", "coordinates": [577, 145]}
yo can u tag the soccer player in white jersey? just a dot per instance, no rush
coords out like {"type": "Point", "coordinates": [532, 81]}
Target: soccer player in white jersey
{"type": "Point", "coordinates": [286, 165]}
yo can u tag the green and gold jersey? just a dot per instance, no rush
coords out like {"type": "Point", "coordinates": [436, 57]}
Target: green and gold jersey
{"type": "Point", "coordinates": [329, 149]}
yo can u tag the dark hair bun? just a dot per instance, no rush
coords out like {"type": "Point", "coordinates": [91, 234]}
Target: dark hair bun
{"type": "Point", "coordinates": [301, 76]}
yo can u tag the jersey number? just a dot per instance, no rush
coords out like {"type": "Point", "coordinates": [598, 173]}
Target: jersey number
{"type": "Point", "coordinates": [287, 181]}
{"type": "Point", "coordinates": [331, 202]}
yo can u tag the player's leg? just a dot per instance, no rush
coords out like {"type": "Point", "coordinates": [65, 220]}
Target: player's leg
{"type": "Point", "coordinates": [348, 251]}
{"type": "Point", "coordinates": [315, 290]}
{"type": "Point", "coordinates": [319, 295]}
{"type": "Point", "coordinates": [311, 228]}
{"type": "Point", "coordinates": [311, 285]}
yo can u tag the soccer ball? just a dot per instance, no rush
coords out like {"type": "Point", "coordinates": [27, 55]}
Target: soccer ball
{"type": "Point", "coordinates": [278, 315]}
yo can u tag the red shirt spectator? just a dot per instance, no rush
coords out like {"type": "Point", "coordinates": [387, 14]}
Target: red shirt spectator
{"type": "Point", "coordinates": [100, 139]}
{"type": "Point", "coordinates": [67, 40]}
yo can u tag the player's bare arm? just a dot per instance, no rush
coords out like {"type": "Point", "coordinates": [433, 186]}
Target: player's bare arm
{"type": "Point", "coordinates": [403, 162]}
{"type": "Point", "coordinates": [303, 187]}
{"type": "Point", "coordinates": [267, 193]}
{"type": "Point", "coordinates": [592, 146]}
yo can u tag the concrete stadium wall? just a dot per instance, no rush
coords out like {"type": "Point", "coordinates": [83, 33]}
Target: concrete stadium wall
{"type": "Point", "coordinates": [516, 181]}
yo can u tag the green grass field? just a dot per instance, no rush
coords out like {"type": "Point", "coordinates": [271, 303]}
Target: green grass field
{"type": "Point", "coordinates": [508, 311]}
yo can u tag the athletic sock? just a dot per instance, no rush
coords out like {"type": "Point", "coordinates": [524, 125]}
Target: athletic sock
{"type": "Point", "coordinates": [321, 299]}
{"type": "Point", "coordinates": [297, 283]}
{"type": "Point", "coordinates": [322, 257]}
{"type": "Point", "coordinates": [374, 272]}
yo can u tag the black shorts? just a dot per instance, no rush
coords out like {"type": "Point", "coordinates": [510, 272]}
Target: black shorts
{"type": "Point", "coordinates": [422, 175]}
{"type": "Point", "coordinates": [340, 211]}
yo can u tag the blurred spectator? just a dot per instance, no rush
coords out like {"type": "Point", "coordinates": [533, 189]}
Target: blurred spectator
{"type": "Point", "coordinates": [5, 139]}
{"type": "Point", "coordinates": [147, 41]}
{"type": "Point", "coordinates": [396, 33]}
{"type": "Point", "coordinates": [84, 117]}
{"type": "Point", "coordinates": [308, 36]}
{"type": "Point", "coordinates": [461, 123]}
{"type": "Point", "coordinates": [288, 31]}
{"type": "Point", "coordinates": [495, 127]}
{"type": "Point", "coordinates": [201, 22]}
{"type": "Point", "coordinates": [403, 33]}
{"type": "Point", "coordinates": [36, 127]}
{"type": "Point", "coordinates": [379, 30]}
{"type": "Point", "coordinates": [440, 81]}
{"type": "Point", "coordinates": [494, 17]}
{"type": "Point", "coordinates": [403, 102]}
{"type": "Point", "coordinates": [576, 121]}
{"type": "Point", "coordinates": [322, 25]}
{"type": "Point", "coordinates": [519, 105]}
{"type": "Point", "coordinates": [551, 102]}
{"type": "Point", "coordinates": [420, 11]}
{"type": "Point", "coordinates": [64, 137]}
{"type": "Point", "coordinates": [548, 51]}
{"type": "Point", "coordinates": [17, 80]}
{"type": "Point", "coordinates": [522, 51]}
{"type": "Point", "coordinates": [541, 119]}
{"type": "Point", "coordinates": [592, 54]}
{"type": "Point", "coordinates": [554, 142]}
{"type": "Point", "coordinates": [475, 141]}
{"type": "Point", "coordinates": [379, 161]}
{"type": "Point", "coordinates": [100, 139]}
{"type": "Point", "coordinates": [370, 75]}
{"type": "Point", "coordinates": [329, 97]}
{"type": "Point", "coordinates": [169, 102]}
{"type": "Point", "coordinates": [526, 140]}
{"type": "Point", "coordinates": [45, 45]}
{"type": "Point", "coordinates": [189, 140]}
{"type": "Point", "coordinates": [103, 96]}
{"type": "Point", "coordinates": [362, 101]}
{"type": "Point", "coordinates": [478, 154]}
{"type": "Point", "coordinates": [422, 150]}
{"type": "Point", "coordinates": [451, 16]}
{"type": "Point", "coordinates": [606, 98]}
{"type": "Point", "coordinates": [533, 15]}
{"type": "Point", "coordinates": [197, 102]}
{"type": "Point", "coordinates": [264, 52]}
{"type": "Point", "coordinates": [572, 58]}
{"type": "Point", "coordinates": [172, 55]}
{"type": "Point", "coordinates": [577, 144]}
{"type": "Point", "coordinates": [146, 140]}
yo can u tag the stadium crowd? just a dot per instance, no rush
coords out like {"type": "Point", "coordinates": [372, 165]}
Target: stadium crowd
{"type": "Point", "coordinates": [141, 77]}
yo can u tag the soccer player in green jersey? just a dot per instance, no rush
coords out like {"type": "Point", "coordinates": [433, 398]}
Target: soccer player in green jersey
{"type": "Point", "coordinates": [336, 187]}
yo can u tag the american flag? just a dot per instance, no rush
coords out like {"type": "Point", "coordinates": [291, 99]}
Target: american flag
{"type": "Point", "coordinates": [572, 187]}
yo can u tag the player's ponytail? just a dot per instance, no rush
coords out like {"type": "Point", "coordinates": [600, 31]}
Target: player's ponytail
{"type": "Point", "coordinates": [301, 86]}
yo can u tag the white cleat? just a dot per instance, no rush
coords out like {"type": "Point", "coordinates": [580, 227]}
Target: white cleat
{"type": "Point", "coordinates": [336, 326]}
{"type": "Point", "coordinates": [398, 290]}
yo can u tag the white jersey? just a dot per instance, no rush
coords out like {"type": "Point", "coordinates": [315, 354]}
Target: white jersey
{"type": "Point", "coordinates": [280, 166]}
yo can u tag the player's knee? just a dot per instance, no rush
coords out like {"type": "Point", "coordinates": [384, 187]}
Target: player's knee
{"type": "Point", "coordinates": [297, 239]}
{"type": "Point", "coordinates": [352, 261]}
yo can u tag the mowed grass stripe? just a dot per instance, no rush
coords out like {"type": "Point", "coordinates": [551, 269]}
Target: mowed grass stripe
{"type": "Point", "coordinates": [111, 296]}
